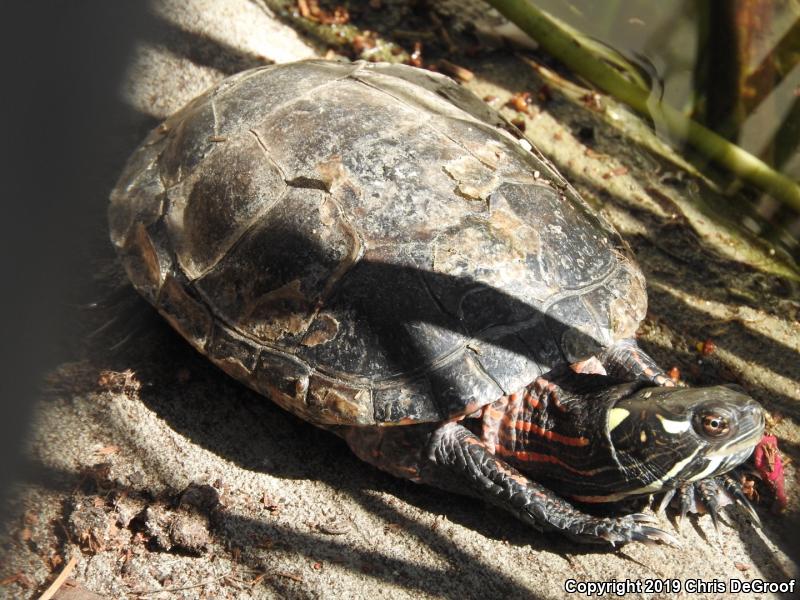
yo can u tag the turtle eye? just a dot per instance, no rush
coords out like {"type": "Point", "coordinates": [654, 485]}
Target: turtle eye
{"type": "Point", "coordinates": [714, 425]}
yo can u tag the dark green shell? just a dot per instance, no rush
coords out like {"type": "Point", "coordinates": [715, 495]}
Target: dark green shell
{"type": "Point", "coordinates": [367, 243]}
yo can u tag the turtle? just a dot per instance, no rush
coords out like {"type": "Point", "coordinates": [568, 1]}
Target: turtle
{"type": "Point", "coordinates": [380, 253]}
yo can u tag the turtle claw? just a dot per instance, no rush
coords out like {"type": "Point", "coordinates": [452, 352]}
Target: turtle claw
{"type": "Point", "coordinates": [749, 510]}
{"type": "Point", "coordinates": [734, 489]}
{"type": "Point", "coordinates": [723, 518]}
{"type": "Point", "coordinates": [710, 492]}
{"type": "Point", "coordinates": [638, 527]}
{"type": "Point", "coordinates": [653, 535]}
{"type": "Point", "coordinates": [715, 518]}
{"type": "Point", "coordinates": [711, 495]}
{"type": "Point", "coordinates": [679, 522]}
{"type": "Point", "coordinates": [635, 531]}
{"type": "Point", "coordinates": [686, 503]}
{"type": "Point", "coordinates": [643, 518]}
{"type": "Point", "coordinates": [662, 506]}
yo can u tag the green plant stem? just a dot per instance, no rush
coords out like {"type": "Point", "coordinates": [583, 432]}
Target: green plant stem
{"type": "Point", "coordinates": [570, 51]}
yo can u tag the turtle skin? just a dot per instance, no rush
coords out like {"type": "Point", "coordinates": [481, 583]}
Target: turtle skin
{"type": "Point", "coordinates": [370, 245]}
{"type": "Point", "coordinates": [577, 438]}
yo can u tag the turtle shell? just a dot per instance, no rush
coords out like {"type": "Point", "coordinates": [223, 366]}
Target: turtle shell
{"type": "Point", "coordinates": [368, 244]}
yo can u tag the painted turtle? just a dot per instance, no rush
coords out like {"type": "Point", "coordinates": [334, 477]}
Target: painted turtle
{"type": "Point", "coordinates": [371, 246]}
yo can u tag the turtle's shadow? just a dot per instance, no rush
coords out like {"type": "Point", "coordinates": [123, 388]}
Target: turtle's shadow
{"type": "Point", "coordinates": [206, 406]}
{"type": "Point", "coordinates": [224, 417]}
{"type": "Point", "coordinates": [203, 404]}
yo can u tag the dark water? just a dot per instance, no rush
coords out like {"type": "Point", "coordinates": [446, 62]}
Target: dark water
{"type": "Point", "coordinates": [670, 44]}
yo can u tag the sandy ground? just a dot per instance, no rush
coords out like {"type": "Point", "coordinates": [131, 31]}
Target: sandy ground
{"type": "Point", "coordinates": [162, 478]}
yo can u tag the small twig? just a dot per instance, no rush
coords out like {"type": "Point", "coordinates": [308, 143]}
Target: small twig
{"type": "Point", "coordinates": [302, 6]}
{"type": "Point", "coordinates": [59, 581]}
{"type": "Point", "coordinates": [286, 574]}
{"type": "Point", "coordinates": [68, 537]}
{"type": "Point", "coordinates": [413, 35]}
{"type": "Point", "coordinates": [457, 71]}
{"type": "Point", "coordinates": [181, 588]}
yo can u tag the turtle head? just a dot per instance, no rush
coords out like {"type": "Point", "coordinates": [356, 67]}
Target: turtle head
{"type": "Point", "coordinates": [665, 437]}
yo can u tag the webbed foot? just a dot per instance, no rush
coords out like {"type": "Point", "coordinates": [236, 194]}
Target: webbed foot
{"type": "Point", "coordinates": [709, 496]}
{"type": "Point", "coordinates": [637, 527]}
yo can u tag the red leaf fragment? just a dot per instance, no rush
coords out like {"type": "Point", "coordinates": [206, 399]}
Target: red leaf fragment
{"type": "Point", "coordinates": [769, 464]}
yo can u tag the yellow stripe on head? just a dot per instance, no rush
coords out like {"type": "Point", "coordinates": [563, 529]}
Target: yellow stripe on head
{"type": "Point", "coordinates": [673, 426]}
{"type": "Point", "coordinates": [617, 416]}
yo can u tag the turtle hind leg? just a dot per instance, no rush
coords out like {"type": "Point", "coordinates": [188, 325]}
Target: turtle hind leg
{"type": "Point", "coordinates": [396, 450]}
{"type": "Point", "coordinates": [625, 360]}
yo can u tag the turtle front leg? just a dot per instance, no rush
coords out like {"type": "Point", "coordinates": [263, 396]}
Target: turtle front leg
{"type": "Point", "coordinates": [453, 458]}
{"type": "Point", "coordinates": [626, 360]}
{"type": "Point", "coordinates": [459, 459]}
